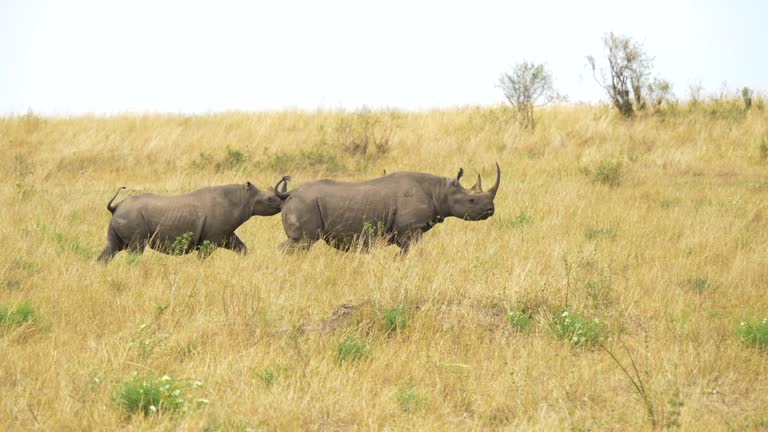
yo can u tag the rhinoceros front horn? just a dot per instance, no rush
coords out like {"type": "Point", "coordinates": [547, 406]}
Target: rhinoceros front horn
{"type": "Point", "coordinates": [282, 194]}
{"type": "Point", "coordinates": [495, 186]}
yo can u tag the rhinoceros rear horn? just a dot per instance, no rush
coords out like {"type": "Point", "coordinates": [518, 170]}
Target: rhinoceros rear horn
{"type": "Point", "coordinates": [495, 186]}
{"type": "Point", "coordinates": [282, 193]}
{"type": "Point", "coordinates": [478, 187]}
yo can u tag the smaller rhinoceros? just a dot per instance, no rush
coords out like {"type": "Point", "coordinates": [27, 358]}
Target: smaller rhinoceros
{"type": "Point", "coordinates": [201, 220]}
{"type": "Point", "coordinates": [399, 207]}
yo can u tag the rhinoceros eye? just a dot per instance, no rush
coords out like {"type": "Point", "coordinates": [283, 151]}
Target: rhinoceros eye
{"type": "Point", "coordinates": [471, 200]}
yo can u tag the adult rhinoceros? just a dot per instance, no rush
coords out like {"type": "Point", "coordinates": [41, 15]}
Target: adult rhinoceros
{"type": "Point", "coordinates": [201, 220]}
{"type": "Point", "coordinates": [400, 207]}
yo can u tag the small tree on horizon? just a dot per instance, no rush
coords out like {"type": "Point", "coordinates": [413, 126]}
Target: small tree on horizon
{"type": "Point", "coordinates": [628, 77]}
{"type": "Point", "coordinates": [529, 84]}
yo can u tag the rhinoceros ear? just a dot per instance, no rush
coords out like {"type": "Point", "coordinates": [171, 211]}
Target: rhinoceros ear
{"type": "Point", "coordinates": [249, 185]}
{"type": "Point", "coordinates": [460, 174]}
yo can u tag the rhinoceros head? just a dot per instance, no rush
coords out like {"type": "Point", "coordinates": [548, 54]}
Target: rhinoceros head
{"type": "Point", "coordinates": [472, 203]}
{"type": "Point", "coordinates": [267, 202]}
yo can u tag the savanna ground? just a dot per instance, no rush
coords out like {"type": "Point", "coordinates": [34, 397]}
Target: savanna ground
{"type": "Point", "coordinates": [656, 227]}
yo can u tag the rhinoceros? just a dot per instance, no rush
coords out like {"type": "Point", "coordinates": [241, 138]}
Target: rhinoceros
{"type": "Point", "coordinates": [399, 207]}
{"type": "Point", "coordinates": [201, 220]}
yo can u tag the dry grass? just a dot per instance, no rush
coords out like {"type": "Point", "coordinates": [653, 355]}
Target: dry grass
{"type": "Point", "coordinates": [263, 332]}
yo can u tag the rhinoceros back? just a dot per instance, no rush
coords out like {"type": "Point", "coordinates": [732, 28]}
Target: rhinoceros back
{"type": "Point", "coordinates": [339, 212]}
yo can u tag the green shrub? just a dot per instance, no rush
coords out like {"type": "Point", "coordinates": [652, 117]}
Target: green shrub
{"type": "Point", "coordinates": [608, 173]}
{"type": "Point", "coordinates": [409, 399]}
{"type": "Point", "coordinates": [395, 319]}
{"type": "Point", "coordinates": [150, 396]}
{"type": "Point", "coordinates": [754, 333]}
{"type": "Point", "coordinates": [350, 349]}
{"type": "Point", "coordinates": [597, 233]}
{"type": "Point", "coordinates": [519, 319]}
{"type": "Point", "coordinates": [19, 315]}
{"type": "Point", "coordinates": [701, 284]}
{"type": "Point", "coordinates": [578, 330]}
{"type": "Point", "coordinates": [233, 160]}
{"type": "Point", "coordinates": [267, 376]}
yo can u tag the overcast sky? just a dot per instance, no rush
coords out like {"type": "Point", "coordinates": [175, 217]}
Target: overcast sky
{"type": "Point", "coordinates": [74, 56]}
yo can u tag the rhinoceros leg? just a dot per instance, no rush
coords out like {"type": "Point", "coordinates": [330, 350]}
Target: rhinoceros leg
{"type": "Point", "coordinates": [292, 245]}
{"type": "Point", "coordinates": [114, 245]}
{"type": "Point", "coordinates": [407, 240]}
{"type": "Point", "coordinates": [234, 243]}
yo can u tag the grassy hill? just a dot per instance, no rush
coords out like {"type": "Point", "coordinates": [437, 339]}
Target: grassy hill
{"type": "Point", "coordinates": [621, 284]}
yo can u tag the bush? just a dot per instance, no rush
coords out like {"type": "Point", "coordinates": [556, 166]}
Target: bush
{"type": "Point", "coordinates": [578, 330]}
{"type": "Point", "coordinates": [754, 333]}
{"type": "Point", "coordinates": [150, 396]}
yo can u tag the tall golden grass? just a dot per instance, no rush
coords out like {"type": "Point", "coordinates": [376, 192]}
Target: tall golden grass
{"type": "Point", "coordinates": [657, 227]}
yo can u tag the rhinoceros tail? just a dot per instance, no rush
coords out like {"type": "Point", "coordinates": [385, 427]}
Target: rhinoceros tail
{"type": "Point", "coordinates": [109, 204]}
{"type": "Point", "coordinates": [282, 193]}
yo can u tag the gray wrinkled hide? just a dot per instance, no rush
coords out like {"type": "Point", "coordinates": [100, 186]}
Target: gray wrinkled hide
{"type": "Point", "coordinates": [400, 207]}
{"type": "Point", "coordinates": [211, 214]}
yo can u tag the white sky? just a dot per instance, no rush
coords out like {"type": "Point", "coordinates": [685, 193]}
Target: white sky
{"type": "Point", "coordinates": [75, 56]}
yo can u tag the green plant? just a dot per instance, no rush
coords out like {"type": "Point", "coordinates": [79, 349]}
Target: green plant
{"type": "Point", "coordinates": [519, 319]}
{"type": "Point", "coordinates": [267, 376]}
{"type": "Point", "coordinates": [597, 233]}
{"type": "Point", "coordinates": [150, 396]}
{"type": "Point", "coordinates": [16, 316]}
{"type": "Point", "coordinates": [351, 349]}
{"type": "Point", "coordinates": [754, 333]}
{"type": "Point", "coordinates": [181, 244]}
{"type": "Point", "coordinates": [675, 405]}
{"type": "Point", "coordinates": [700, 284]}
{"type": "Point", "coordinates": [206, 248]}
{"type": "Point", "coordinates": [521, 219]}
{"type": "Point", "coordinates": [234, 159]}
{"type": "Point", "coordinates": [409, 399]}
{"type": "Point", "coordinates": [395, 320]}
{"type": "Point", "coordinates": [578, 330]}
{"type": "Point", "coordinates": [608, 173]}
